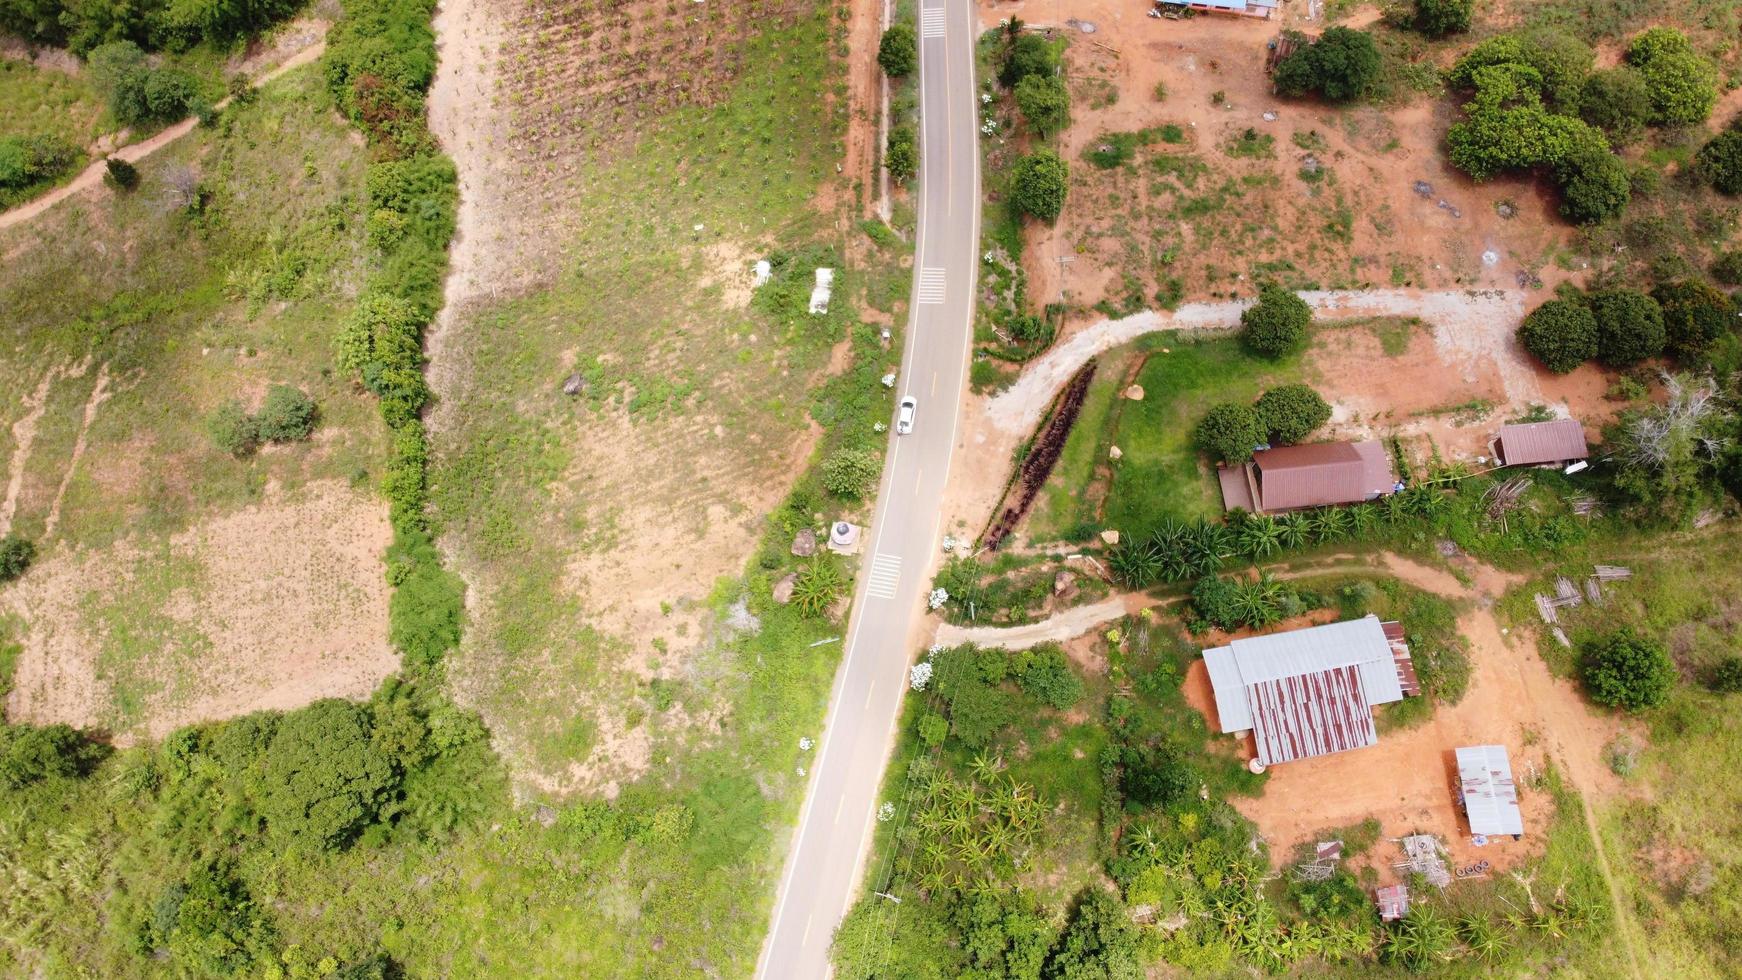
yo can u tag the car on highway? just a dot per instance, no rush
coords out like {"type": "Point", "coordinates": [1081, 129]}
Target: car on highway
{"type": "Point", "coordinates": [904, 417]}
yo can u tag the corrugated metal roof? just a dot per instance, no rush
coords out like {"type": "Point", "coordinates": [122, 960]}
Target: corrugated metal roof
{"type": "Point", "coordinates": [1490, 795]}
{"type": "Point", "coordinates": [1232, 714]}
{"type": "Point", "coordinates": [1530, 443]}
{"type": "Point", "coordinates": [1310, 714]}
{"type": "Point", "coordinates": [1359, 643]}
{"type": "Point", "coordinates": [1322, 473]}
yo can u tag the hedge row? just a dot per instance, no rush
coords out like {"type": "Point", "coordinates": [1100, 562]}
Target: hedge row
{"type": "Point", "coordinates": [380, 61]}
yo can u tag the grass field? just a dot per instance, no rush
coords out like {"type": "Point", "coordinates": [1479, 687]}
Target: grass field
{"type": "Point", "coordinates": [40, 101]}
{"type": "Point", "coordinates": [1161, 475]}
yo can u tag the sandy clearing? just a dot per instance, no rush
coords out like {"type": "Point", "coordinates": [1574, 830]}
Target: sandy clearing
{"type": "Point", "coordinates": [1452, 312]}
{"type": "Point", "coordinates": [1056, 628]}
{"type": "Point", "coordinates": [270, 607]}
{"type": "Point", "coordinates": [91, 177]}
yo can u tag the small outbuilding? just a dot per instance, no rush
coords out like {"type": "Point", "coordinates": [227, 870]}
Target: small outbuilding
{"type": "Point", "coordinates": [1489, 792]}
{"type": "Point", "coordinates": [1318, 475]}
{"type": "Point", "coordinates": [1239, 8]}
{"type": "Point", "coordinates": [1393, 902]}
{"type": "Point", "coordinates": [1557, 443]}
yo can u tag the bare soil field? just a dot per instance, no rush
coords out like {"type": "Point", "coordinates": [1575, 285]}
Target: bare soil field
{"type": "Point", "coordinates": [1407, 780]}
{"type": "Point", "coordinates": [270, 607]}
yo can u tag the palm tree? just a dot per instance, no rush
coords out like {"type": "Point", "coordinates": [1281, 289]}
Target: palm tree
{"type": "Point", "coordinates": [1484, 939]}
{"type": "Point", "coordinates": [1296, 530]}
{"type": "Point", "coordinates": [818, 584]}
{"type": "Point", "coordinates": [1362, 519]}
{"type": "Point", "coordinates": [985, 768]}
{"type": "Point", "coordinates": [1260, 537]}
{"type": "Point", "coordinates": [1337, 523]}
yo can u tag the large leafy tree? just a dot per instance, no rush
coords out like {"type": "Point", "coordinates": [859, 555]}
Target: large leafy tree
{"type": "Point", "coordinates": [1341, 65]}
{"type": "Point", "coordinates": [1098, 943]}
{"type": "Point", "coordinates": [1629, 326]}
{"type": "Point", "coordinates": [898, 51]}
{"type": "Point", "coordinates": [1277, 324]}
{"type": "Point", "coordinates": [1292, 412]}
{"type": "Point", "coordinates": [1695, 315]}
{"type": "Point", "coordinates": [1616, 101]}
{"type": "Point", "coordinates": [1044, 103]}
{"type": "Point", "coordinates": [1230, 432]}
{"type": "Point", "coordinates": [1681, 85]}
{"type": "Point", "coordinates": [1560, 333]}
{"type": "Point", "coordinates": [1628, 671]}
{"type": "Point", "coordinates": [1038, 183]}
{"type": "Point", "coordinates": [324, 779]}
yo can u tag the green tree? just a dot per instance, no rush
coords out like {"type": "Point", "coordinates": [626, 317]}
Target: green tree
{"type": "Point", "coordinates": [1720, 162]}
{"type": "Point", "coordinates": [120, 174]}
{"type": "Point", "coordinates": [1727, 268]}
{"type": "Point", "coordinates": [1593, 182]}
{"type": "Point", "coordinates": [1044, 102]}
{"type": "Point", "coordinates": [1229, 432]}
{"type": "Point", "coordinates": [1681, 85]}
{"type": "Point", "coordinates": [210, 926]}
{"type": "Point", "coordinates": [1560, 333]}
{"type": "Point", "coordinates": [1277, 324]}
{"type": "Point", "coordinates": [1341, 65]}
{"type": "Point", "coordinates": [850, 473]}
{"type": "Point", "coordinates": [1098, 943]}
{"type": "Point", "coordinates": [1616, 101]}
{"type": "Point", "coordinates": [933, 729]}
{"type": "Point", "coordinates": [29, 753]}
{"type": "Point", "coordinates": [1290, 413]}
{"type": "Point", "coordinates": [898, 52]}
{"type": "Point", "coordinates": [1629, 326]}
{"type": "Point", "coordinates": [1048, 677]}
{"type": "Point", "coordinates": [324, 779]}
{"type": "Point", "coordinates": [1437, 18]}
{"type": "Point", "coordinates": [1216, 601]}
{"type": "Point", "coordinates": [902, 154]}
{"type": "Point", "coordinates": [16, 554]}
{"type": "Point", "coordinates": [1628, 671]}
{"type": "Point", "coordinates": [1695, 315]}
{"type": "Point", "coordinates": [288, 415]}
{"type": "Point", "coordinates": [169, 93]}
{"type": "Point", "coordinates": [25, 160]}
{"type": "Point", "coordinates": [1559, 60]}
{"type": "Point", "coordinates": [1038, 183]}
{"type": "Point", "coordinates": [1028, 54]}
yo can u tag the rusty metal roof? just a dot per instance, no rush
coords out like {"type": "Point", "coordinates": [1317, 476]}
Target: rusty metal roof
{"type": "Point", "coordinates": [1490, 795]}
{"type": "Point", "coordinates": [1322, 473]}
{"type": "Point", "coordinates": [1248, 661]}
{"type": "Point", "coordinates": [1310, 714]}
{"type": "Point", "coordinates": [1529, 443]}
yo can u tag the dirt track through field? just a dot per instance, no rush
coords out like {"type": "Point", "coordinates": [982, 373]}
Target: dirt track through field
{"type": "Point", "coordinates": [1460, 316]}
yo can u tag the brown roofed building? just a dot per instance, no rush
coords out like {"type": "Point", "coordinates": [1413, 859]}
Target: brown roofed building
{"type": "Point", "coordinates": [1317, 475]}
{"type": "Point", "coordinates": [1554, 443]}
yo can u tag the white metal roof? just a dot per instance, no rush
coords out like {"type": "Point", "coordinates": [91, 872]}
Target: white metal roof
{"type": "Point", "coordinates": [1490, 795]}
{"type": "Point", "coordinates": [1233, 713]}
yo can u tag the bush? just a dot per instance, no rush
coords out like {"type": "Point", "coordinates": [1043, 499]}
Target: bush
{"type": "Point", "coordinates": [1562, 334]}
{"type": "Point", "coordinates": [850, 473]}
{"type": "Point", "coordinates": [287, 416]}
{"type": "Point", "coordinates": [1044, 102]}
{"type": "Point", "coordinates": [1098, 941]}
{"type": "Point", "coordinates": [933, 729]}
{"type": "Point", "coordinates": [16, 554]}
{"type": "Point", "coordinates": [1216, 601]}
{"type": "Point", "coordinates": [1616, 101]}
{"type": "Point", "coordinates": [1290, 413]}
{"type": "Point", "coordinates": [1277, 324]}
{"type": "Point", "coordinates": [1695, 315]}
{"type": "Point", "coordinates": [1341, 65]}
{"type": "Point", "coordinates": [1048, 678]}
{"type": "Point", "coordinates": [324, 778]}
{"type": "Point", "coordinates": [120, 174]}
{"type": "Point", "coordinates": [428, 607]}
{"type": "Point", "coordinates": [1229, 432]}
{"type": "Point", "coordinates": [1719, 162]}
{"type": "Point", "coordinates": [1028, 54]}
{"type": "Point", "coordinates": [29, 754]}
{"type": "Point", "coordinates": [233, 430]}
{"type": "Point", "coordinates": [1437, 18]}
{"type": "Point", "coordinates": [169, 93]}
{"type": "Point", "coordinates": [1559, 61]}
{"type": "Point", "coordinates": [902, 154]}
{"type": "Point", "coordinates": [1155, 777]}
{"type": "Point", "coordinates": [1038, 183]}
{"type": "Point", "coordinates": [1628, 671]}
{"type": "Point", "coordinates": [209, 926]}
{"type": "Point", "coordinates": [898, 52]}
{"type": "Point", "coordinates": [1629, 326]}
{"type": "Point", "coordinates": [1593, 183]}
{"type": "Point", "coordinates": [28, 160]}
{"type": "Point", "coordinates": [1682, 86]}
{"type": "Point", "coordinates": [1727, 268]}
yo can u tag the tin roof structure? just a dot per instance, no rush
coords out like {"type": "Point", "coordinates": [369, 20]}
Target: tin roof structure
{"type": "Point", "coordinates": [1393, 902]}
{"type": "Point", "coordinates": [1490, 795]}
{"type": "Point", "coordinates": [1305, 692]}
{"type": "Point", "coordinates": [1323, 473]}
{"type": "Point", "coordinates": [1533, 443]}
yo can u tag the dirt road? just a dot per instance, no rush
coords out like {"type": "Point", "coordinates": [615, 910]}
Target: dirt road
{"type": "Point", "coordinates": [1056, 628]}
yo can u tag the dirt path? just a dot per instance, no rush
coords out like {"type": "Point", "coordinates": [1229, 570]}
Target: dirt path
{"type": "Point", "coordinates": [92, 176]}
{"type": "Point", "coordinates": [24, 435]}
{"type": "Point", "coordinates": [1056, 628]}
{"type": "Point", "coordinates": [99, 394]}
{"type": "Point", "coordinates": [1452, 313]}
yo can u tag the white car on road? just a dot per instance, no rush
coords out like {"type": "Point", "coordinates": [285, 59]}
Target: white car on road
{"type": "Point", "coordinates": [904, 417]}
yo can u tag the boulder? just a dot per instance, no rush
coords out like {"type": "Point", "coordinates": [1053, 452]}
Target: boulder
{"type": "Point", "coordinates": [1110, 536]}
{"type": "Point", "coordinates": [1062, 581]}
{"type": "Point", "coordinates": [1135, 393]}
{"type": "Point", "coordinates": [804, 544]}
{"type": "Point", "coordinates": [1115, 453]}
{"type": "Point", "coordinates": [783, 588]}
{"type": "Point", "coordinates": [575, 385]}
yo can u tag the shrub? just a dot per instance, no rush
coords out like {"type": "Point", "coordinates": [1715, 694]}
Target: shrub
{"type": "Point", "coordinates": [1229, 432]}
{"type": "Point", "coordinates": [1726, 676]}
{"type": "Point", "coordinates": [1562, 334]}
{"type": "Point", "coordinates": [1628, 671]}
{"type": "Point", "coordinates": [428, 607]}
{"type": "Point", "coordinates": [898, 52]}
{"type": "Point", "coordinates": [233, 430]}
{"type": "Point", "coordinates": [818, 585]}
{"type": "Point", "coordinates": [16, 554]}
{"type": "Point", "coordinates": [1098, 941]}
{"type": "Point", "coordinates": [324, 779]}
{"type": "Point", "coordinates": [1681, 86]}
{"type": "Point", "coordinates": [1290, 413]}
{"type": "Point", "coordinates": [1277, 324]}
{"type": "Point", "coordinates": [29, 754]}
{"type": "Point", "coordinates": [1049, 679]}
{"type": "Point", "coordinates": [850, 473]}
{"type": "Point", "coordinates": [1593, 183]}
{"type": "Point", "coordinates": [1044, 102]}
{"type": "Point", "coordinates": [1216, 601]}
{"type": "Point", "coordinates": [1695, 315]}
{"type": "Point", "coordinates": [1616, 101]}
{"type": "Point", "coordinates": [287, 416]}
{"type": "Point", "coordinates": [1341, 65]}
{"type": "Point", "coordinates": [933, 729]}
{"type": "Point", "coordinates": [27, 160]}
{"type": "Point", "coordinates": [902, 154]}
{"type": "Point", "coordinates": [1038, 183]}
{"type": "Point", "coordinates": [1719, 162]}
{"type": "Point", "coordinates": [1437, 18]}
{"type": "Point", "coordinates": [1028, 54]}
{"type": "Point", "coordinates": [1559, 60]}
{"type": "Point", "coordinates": [169, 93]}
{"type": "Point", "coordinates": [1727, 268]}
{"type": "Point", "coordinates": [1155, 777]}
{"type": "Point", "coordinates": [120, 174]}
{"type": "Point", "coordinates": [1629, 326]}
{"type": "Point", "coordinates": [209, 926]}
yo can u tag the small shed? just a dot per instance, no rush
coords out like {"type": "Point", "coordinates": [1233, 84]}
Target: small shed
{"type": "Point", "coordinates": [1490, 795]}
{"type": "Point", "coordinates": [1555, 443]}
{"type": "Point", "coordinates": [1393, 902]}
{"type": "Point", "coordinates": [1315, 475]}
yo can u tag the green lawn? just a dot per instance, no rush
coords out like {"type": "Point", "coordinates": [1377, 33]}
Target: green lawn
{"type": "Point", "coordinates": [41, 102]}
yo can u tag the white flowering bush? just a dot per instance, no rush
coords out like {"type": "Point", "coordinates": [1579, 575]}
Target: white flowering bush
{"type": "Point", "coordinates": [886, 812]}
{"type": "Point", "coordinates": [937, 598]}
{"type": "Point", "coordinates": [919, 676]}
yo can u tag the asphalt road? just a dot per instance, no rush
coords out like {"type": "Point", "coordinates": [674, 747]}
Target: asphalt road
{"type": "Point", "coordinates": [904, 538]}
